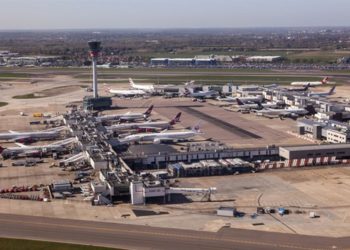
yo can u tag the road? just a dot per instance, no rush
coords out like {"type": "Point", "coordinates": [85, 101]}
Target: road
{"type": "Point", "coordinates": [144, 237]}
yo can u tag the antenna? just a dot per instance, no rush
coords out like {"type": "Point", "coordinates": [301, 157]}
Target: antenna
{"type": "Point", "coordinates": [95, 48]}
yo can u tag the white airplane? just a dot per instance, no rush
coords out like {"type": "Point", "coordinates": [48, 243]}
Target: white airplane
{"type": "Point", "coordinates": [256, 106]}
{"type": "Point", "coordinates": [126, 92]}
{"type": "Point", "coordinates": [311, 84]}
{"type": "Point", "coordinates": [145, 126]}
{"type": "Point", "coordinates": [147, 88]}
{"type": "Point", "coordinates": [201, 94]}
{"type": "Point", "coordinates": [322, 94]}
{"type": "Point", "coordinates": [245, 99]}
{"type": "Point", "coordinates": [190, 83]}
{"type": "Point", "coordinates": [300, 89]}
{"type": "Point", "coordinates": [53, 147]}
{"type": "Point", "coordinates": [289, 112]}
{"type": "Point", "coordinates": [164, 136]}
{"type": "Point", "coordinates": [28, 137]}
{"type": "Point", "coordinates": [128, 116]}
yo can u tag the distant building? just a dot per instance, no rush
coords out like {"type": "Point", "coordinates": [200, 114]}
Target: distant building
{"type": "Point", "coordinates": [339, 151]}
{"type": "Point", "coordinates": [205, 62]}
{"type": "Point", "coordinates": [181, 61]}
{"type": "Point", "coordinates": [31, 60]}
{"type": "Point", "coordinates": [264, 59]}
{"type": "Point", "coordinates": [223, 59]}
{"type": "Point", "coordinates": [159, 61]}
{"type": "Point", "coordinates": [332, 131]}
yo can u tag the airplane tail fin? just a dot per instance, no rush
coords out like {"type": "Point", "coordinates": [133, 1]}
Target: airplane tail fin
{"type": "Point", "coordinates": [311, 110]}
{"type": "Point", "coordinates": [239, 102]}
{"type": "Point", "coordinates": [189, 83]}
{"type": "Point", "coordinates": [307, 87]}
{"type": "Point", "coordinates": [20, 145]}
{"type": "Point", "coordinates": [196, 128]}
{"type": "Point", "coordinates": [106, 88]}
{"type": "Point", "coordinates": [149, 111]}
{"type": "Point", "coordinates": [176, 119]}
{"type": "Point", "coordinates": [331, 91]}
{"type": "Point", "coordinates": [187, 92]}
{"type": "Point", "coordinates": [131, 82]}
{"type": "Point", "coordinates": [325, 80]}
{"type": "Point", "coordinates": [260, 106]}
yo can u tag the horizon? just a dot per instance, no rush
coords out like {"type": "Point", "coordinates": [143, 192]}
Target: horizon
{"type": "Point", "coordinates": [159, 14]}
{"type": "Point", "coordinates": [178, 28]}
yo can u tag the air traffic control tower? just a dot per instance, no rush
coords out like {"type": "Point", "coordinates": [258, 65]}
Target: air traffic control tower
{"type": "Point", "coordinates": [95, 102]}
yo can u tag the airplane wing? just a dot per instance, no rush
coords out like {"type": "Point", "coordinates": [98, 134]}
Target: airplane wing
{"type": "Point", "coordinates": [32, 151]}
{"type": "Point", "coordinates": [63, 142]}
{"type": "Point", "coordinates": [21, 145]}
{"type": "Point", "coordinates": [149, 127]}
{"type": "Point", "coordinates": [161, 139]}
{"type": "Point", "coordinates": [57, 129]}
{"type": "Point", "coordinates": [19, 138]}
{"type": "Point", "coordinates": [12, 131]}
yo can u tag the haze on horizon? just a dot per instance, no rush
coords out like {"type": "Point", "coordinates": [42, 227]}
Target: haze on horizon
{"type": "Point", "coordinates": [117, 14]}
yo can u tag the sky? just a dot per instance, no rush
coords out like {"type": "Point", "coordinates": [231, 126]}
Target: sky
{"type": "Point", "coordinates": [124, 14]}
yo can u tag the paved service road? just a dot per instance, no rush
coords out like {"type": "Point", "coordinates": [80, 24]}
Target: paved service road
{"type": "Point", "coordinates": [145, 237]}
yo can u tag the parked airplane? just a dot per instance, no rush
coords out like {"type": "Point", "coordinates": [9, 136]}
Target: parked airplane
{"type": "Point", "coordinates": [149, 88]}
{"type": "Point", "coordinates": [322, 94]}
{"type": "Point", "coordinates": [164, 136]}
{"type": "Point", "coordinates": [201, 94]}
{"type": "Point", "coordinates": [256, 106]}
{"type": "Point", "coordinates": [311, 84]}
{"type": "Point", "coordinates": [289, 112]}
{"type": "Point", "coordinates": [145, 126]}
{"type": "Point", "coordinates": [303, 89]}
{"type": "Point", "coordinates": [129, 116]}
{"type": "Point", "coordinates": [190, 83]}
{"type": "Point", "coordinates": [126, 92]}
{"type": "Point", "coordinates": [245, 99]}
{"type": "Point", "coordinates": [28, 137]}
{"type": "Point", "coordinates": [32, 150]}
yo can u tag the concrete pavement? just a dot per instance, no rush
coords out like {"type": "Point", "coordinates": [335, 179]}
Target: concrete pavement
{"type": "Point", "coordinates": [145, 237]}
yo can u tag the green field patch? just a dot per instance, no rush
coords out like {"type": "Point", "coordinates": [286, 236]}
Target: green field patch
{"type": "Point", "coordinates": [3, 104]}
{"type": "Point", "coordinates": [214, 79]}
{"type": "Point", "coordinates": [317, 56]}
{"type": "Point", "coordinates": [14, 75]}
{"type": "Point", "coordinates": [49, 92]}
{"type": "Point", "coordinates": [19, 244]}
{"type": "Point", "coordinates": [28, 96]}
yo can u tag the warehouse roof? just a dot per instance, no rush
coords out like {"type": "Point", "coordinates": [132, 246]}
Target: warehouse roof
{"type": "Point", "coordinates": [317, 147]}
{"type": "Point", "coordinates": [151, 149]}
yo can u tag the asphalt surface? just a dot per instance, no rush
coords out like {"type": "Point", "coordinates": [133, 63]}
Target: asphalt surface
{"type": "Point", "coordinates": [145, 237]}
{"type": "Point", "coordinates": [220, 123]}
{"type": "Point", "coordinates": [178, 71]}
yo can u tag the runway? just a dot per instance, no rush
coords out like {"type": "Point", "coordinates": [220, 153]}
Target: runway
{"type": "Point", "coordinates": [144, 237]}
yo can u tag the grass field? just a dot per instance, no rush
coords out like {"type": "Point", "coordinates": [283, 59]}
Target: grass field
{"type": "Point", "coordinates": [215, 79]}
{"type": "Point", "coordinates": [3, 104]}
{"type": "Point", "coordinates": [27, 96]}
{"type": "Point", "coordinates": [17, 244]}
{"type": "Point", "coordinates": [13, 75]}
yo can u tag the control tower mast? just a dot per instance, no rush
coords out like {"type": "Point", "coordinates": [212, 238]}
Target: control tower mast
{"type": "Point", "coordinates": [95, 48]}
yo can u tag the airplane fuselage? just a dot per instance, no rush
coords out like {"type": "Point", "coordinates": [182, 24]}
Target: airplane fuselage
{"type": "Point", "coordinates": [125, 126]}
{"type": "Point", "coordinates": [159, 136]}
{"type": "Point", "coordinates": [29, 135]}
